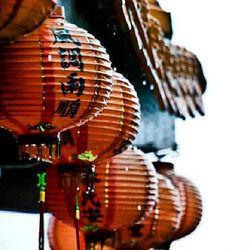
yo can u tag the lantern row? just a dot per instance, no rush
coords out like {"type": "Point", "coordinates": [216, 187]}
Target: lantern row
{"type": "Point", "coordinates": [68, 107]}
{"type": "Point", "coordinates": [62, 100]}
{"type": "Point", "coordinates": [115, 207]}
{"type": "Point", "coordinates": [54, 82]}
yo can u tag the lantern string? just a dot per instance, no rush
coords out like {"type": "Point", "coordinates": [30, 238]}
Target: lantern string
{"type": "Point", "coordinates": [41, 184]}
{"type": "Point", "coordinates": [41, 227]}
{"type": "Point", "coordinates": [77, 216]}
{"type": "Point", "coordinates": [77, 234]}
{"type": "Point", "coordinates": [41, 212]}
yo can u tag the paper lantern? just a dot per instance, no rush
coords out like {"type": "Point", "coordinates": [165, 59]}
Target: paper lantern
{"type": "Point", "coordinates": [192, 209]}
{"type": "Point", "coordinates": [53, 79]}
{"type": "Point", "coordinates": [191, 202]}
{"type": "Point", "coordinates": [19, 17]}
{"type": "Point", "coordinates": [163, 221]}
{"type": "Point", "coordinates": [125, 192]}
{"type": "Point", "coordinates": [108, 134]}
{"type": "Point", "coordinates": [62, 237]}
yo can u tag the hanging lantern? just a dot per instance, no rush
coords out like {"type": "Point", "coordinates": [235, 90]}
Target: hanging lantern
{"type": "Point", "coordinates": [160, 225]}
{"type": "Point", "coordinates": [21, 17]}
{"type": "Point", "coordinates": [62, 237]}
{"type": "Point", "coordinates": [108, 134]}
{"type": "Point", "coordinates": [123, 191]}
{"type": "Point", "coordinates": [192, 209]}
{"type": "Point", "coordinates": [190, 199]}
{"type": "Point", "coordinates": [53, 79]}
{"type": "Point", "coordinates": [112, 131]}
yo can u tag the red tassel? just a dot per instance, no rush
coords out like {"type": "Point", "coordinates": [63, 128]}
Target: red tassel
{"type": "Point", "coordinates": [77, 218]}
{"type": "Point", "coordinates": [77, 234]}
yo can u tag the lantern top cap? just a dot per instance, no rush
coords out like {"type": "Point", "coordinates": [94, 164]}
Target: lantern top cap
{"type": "Point", "coordinates": [58, 12]}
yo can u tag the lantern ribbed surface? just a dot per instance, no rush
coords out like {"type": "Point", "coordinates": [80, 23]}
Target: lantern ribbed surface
{"type": "Point", "coordinates": [161, 223]}
{"type": "Point", "coordinates": [192, 208]}
{"type": "Point", "coordinates": [126, 191]}
{"type": "Point", "coordinates": [20, 17]}
{"type": "Point", "coordinates": [63, 237]}
{"type": "Point", "coordinates": [190, 198]}
{"type": "Point", "coordinates": [108, 134]}
{"type": "Point", "coordinates": [53, 79]}
{"type": "Point", "coordinates": [113, 130]}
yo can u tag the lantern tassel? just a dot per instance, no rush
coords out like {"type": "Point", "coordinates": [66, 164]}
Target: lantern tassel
{"type": "Point", "coordinates": [41, 184]}
{"type": "Point", "coordinates": [77, 218]}
{"type": "Point", "coordinates": [77, 234]}
{"type": "Point", "coordinates": [41, 226]}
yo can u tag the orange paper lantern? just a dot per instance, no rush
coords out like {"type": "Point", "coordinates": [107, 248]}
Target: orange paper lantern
{"type": "Point", "coordinates": [113, 130]}
{"type": "Point", "coordinates": [163, 221]}
{"type": "Point", "coordinates": [125, 192]}
{"type": "Point", "coordinates": [108, 134]}
{"type": "Point", "coordinates": [192, 207]}
{"type": "Point", "coordinates": [21, 17]}
{"type": "Point", "coordinates": [53, 79]}
{"type": "Point", "coordinates": [191, 202]}
{"type": "Point", "coordinates": [62, 237]}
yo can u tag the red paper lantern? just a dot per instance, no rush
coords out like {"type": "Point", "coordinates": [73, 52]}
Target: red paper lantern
{"type": "Point", "coordinates": [192, 207]}
{"type": "Point", "coordinates": [113, 130]}
{"type": "Point", "coordinates": [21, 17]}
{"type": "Point", "coordinates": [62, 237]}
{"type": "Point", "coordinates": [53, 79]}
{"type": "Point", "coordinates": [108, 134]}
{"type": "Point", "coordinates": [125, 192]}
{"type": "Point", "coordinates": [191, 202]}
{"type": "Point", "coordinates": [163, 221]}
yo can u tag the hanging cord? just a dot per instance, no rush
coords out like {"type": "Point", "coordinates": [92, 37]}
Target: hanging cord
{"type": "Point", "coordinates": [41, 185]}
{"type": "Point", "coordinates": [77, 217]}
{"type": "Point", "coordinates": [41, 227]}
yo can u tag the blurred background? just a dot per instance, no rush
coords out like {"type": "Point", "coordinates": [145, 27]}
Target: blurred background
{"type": "Point", "coordinates": [213, 149]}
